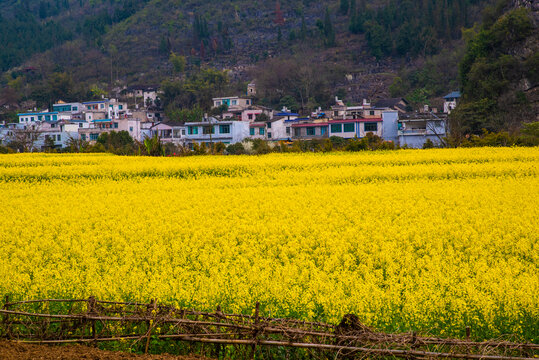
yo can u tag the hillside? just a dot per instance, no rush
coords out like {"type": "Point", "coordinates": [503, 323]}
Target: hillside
{"type": "Point", "coordinates": [124, 42]}
{"type": "Point", "coordinates": [499, 73]}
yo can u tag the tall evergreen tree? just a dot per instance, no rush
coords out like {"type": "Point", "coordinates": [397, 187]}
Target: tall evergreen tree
{"type": "Point", "coordinates": [329, 32]}
{"type": "Point", "coordinates": [344, 7]}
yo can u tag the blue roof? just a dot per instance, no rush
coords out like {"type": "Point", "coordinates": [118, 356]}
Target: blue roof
{"type": "Point", "coordinates": [94, 102]}
{"type": "Point", "coordinates": [286, 114]}
{"type": "Point", "coordinates": [454, 94]}
{"type": "Point", "coordinates": [102, 120]}
{"type": "Point", "coordinates": [46, 113]}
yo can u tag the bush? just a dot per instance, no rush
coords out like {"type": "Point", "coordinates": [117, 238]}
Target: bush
{"type": "Point", "coordinates": [428, 144]}
{"type": "Point", "coordinates": [235, 149]}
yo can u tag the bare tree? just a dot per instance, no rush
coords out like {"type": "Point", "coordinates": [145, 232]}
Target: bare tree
{"type": "Point", "coordinates": [24, 139]}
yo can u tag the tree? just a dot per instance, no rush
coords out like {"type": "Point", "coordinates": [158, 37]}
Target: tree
{"type": "Point", "coordinates": [153, 146]}
{"type": "Point", "coordinates": [116, 142]}
{"type": "Point", "coordinates": [329, 32]}
{"type": "Point", "coordinates": [178, 63]}
{"type": "Point", "coordinates": [344, 6]}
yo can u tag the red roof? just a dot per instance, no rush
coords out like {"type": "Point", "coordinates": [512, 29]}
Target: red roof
{"type": "Point", "coordinates": [310, 125]}
{"type": "Point", "coordinates": [355, 120]}
{"type": "Point", "coordinates": [257, 124]}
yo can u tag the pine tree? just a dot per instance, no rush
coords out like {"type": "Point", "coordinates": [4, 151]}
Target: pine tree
{"type": "Point", "coordinates": [303, 31]}
{"type": "Point", "coordinates": [344, 7]}
{"type": "Point", "coordinates": [329, 32]}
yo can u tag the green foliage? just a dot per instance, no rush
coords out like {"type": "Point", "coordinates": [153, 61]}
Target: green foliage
{"type": "Point", "coordinates": [153, 146]}
{"type": "Point", "coordinates": [235, 149]}
{"type": "Point", "coordinates": [428, 144]}
{"type": "Point", "coordinates": [490, 74]}
{"type": "Point", "coordinates": [328, 30]}
{"type": "Point", "coordinates": [289, 102]}
{"type": "Point", "coordinates": [117, 142]}
{"type": "Point", "coordinates": [195, 91]}
{"type": "Point", "coordinates": [178, 63]}
{"type": "Point", "coordinates": [344, 7]}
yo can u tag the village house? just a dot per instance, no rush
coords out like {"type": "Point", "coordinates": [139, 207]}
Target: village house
{"type": "Point", "coordinates": [146, 94]}
{"type": "Point", "coordinates": [68, 108]}
{"type": "Point", "coordinates": [214, 131]}
{"type": "Point", "coordinates": [415, 129]}
{"type": "Point", "coordinates": [309, 129]}
{"type": "Point", "coordinates": [450, 101]}
{"type": "Point", "coordinates": [398, 104]}
{"type": "Point", "coordinates": [233, 102]}
{"type": "Point", "coordinates": [351, 128]}
{"type": "Point", "coordinates": [169, 132]}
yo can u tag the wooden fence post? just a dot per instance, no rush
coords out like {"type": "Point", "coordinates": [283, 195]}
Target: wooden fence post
{"type": "Point", "coordinates": [5, 318]}
{"type": "Point", "coordinates": [92, 312]}
{"type": "Point", "coordinates": [257, 329]}
{"type": "Point", "coordinates": [218, 346]}
{"type": "Point", "coordinates": [151, 324]}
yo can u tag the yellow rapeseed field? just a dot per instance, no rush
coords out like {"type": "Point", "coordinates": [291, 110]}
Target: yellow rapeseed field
{"type": "Point", "coordinates": [431, 240]}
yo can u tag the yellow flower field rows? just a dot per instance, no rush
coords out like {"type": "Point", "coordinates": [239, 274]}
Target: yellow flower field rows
{"type": "Point", "coordinates": [431, 240]}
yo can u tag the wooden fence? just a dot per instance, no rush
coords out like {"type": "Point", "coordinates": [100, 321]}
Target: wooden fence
{"type": "Point", "coordinates": [57, 321]}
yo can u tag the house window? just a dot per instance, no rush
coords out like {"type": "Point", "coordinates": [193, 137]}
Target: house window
{"type": "Point", "coordinates": [116, 125]}
{"type": "Point", "coordinates": [32, 118]}
{"type": "Point", "coordinates": [250, 116]}
{"type": "Point", "coordinates": [251, 131]}
{"type": "Point", "coordinates": [297, 132]}
{"type": "Point", "coordinates": [323, 130]}
{"type": "Point", "coordinates": [208, 130]}
{"type": "Point", "coordinates": [83, 137]}
{"type": "Point", "coordinates": [349, 127]}
{"type": "Point", "coordinates": [336, 128]}
{"type": "Point", "coordinates": [269, 125]}
{"type": "Point", "coordinates": [75, 108]}
{"type": "Point", "coordinates": [224, 129]}
{"type": "Point", "coordinates": [371, 112]}
{"type": "Point", "coordinates": [131, 129]}
{"type": "Point", "coordinates": [217, 103]}
{"type": "Point", "coordinates": [234, 102]}
{"type": "Point", "coordinates": [121, 107]}
{"type": "Point", "coordinates": [192, 130]}
{"type": "Point", "coordinates": [262, 131]}
{"type": "Point", "coordinates": [269, 135]}
{"type": "Point", "coordinates": [89, 107]}
{"type": "Point", "coordinates": [371, 126]}
{"type": "Point", "coordinates": [102, 106]}
{"type": "Point", "coordinates": [287, 130]}
{"type": "Point", "coordinates": [93, 137]}
{"type": "Point", "coordinates": [311, 131]}
{"type": "Point", "coordinates": [39, 117]}
{"type": "Point", "coordinates": [248, 102]}
{"type": "Point", "coordinates": [47, 118]}
{"type": "Point", "coordinates": [59, 137]}
{"type": "Point", "coordinates": [183, 131]}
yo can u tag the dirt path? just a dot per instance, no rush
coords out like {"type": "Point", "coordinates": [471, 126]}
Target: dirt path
{"type": "Point", "coordinates": [19, 351]}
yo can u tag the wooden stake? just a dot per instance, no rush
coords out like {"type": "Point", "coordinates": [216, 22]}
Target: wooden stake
{"type": "Point", "coordinates": [151, 324]}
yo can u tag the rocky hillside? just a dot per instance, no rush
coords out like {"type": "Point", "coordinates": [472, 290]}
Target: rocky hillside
{"type": "Point", "coordinates": [500, 71]}
{"type": "Point", "coordinates": [124, 42]}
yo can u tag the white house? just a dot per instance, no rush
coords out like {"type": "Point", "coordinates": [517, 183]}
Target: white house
{"type": "Point", "coordinates": [70, 108]}
{"type": "Point", "coordinates": [233, 102]}
{"type": "Point", "coordinates": [214, 131]}
{"type": "Point", "coordinates": [169, 132]}
{"type": "Point", "coordinates": [27, 118]}
{"type": "Point", "coordinates": [414, 130]}
{"type": "Point", "coordinates": [450, 101]}
{"type": "Point", "coordinates": [351, 128]}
